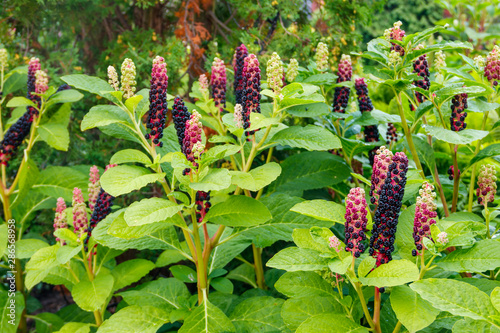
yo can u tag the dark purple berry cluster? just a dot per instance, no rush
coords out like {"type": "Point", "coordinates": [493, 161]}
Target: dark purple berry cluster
{"type": "Point", "coordinates": [451, 172]}
{"type": "Point", "coordinates": [202, 205]}
{"type": "Point", "coordinates": [102, 209]}
{"type": "Point", "coordinates": [180, 116]}
{"type": "Point", "coordinates": [387, 214]}
{"type": "Point", "coordinates": [371, 135]}
{"type": "Point", "coordinates": [157, 113]}
{"type": "Point", "coordinates": [396, 33]}
{"type": "Point", "coordinates": [392, 134]}
{"type": "Point", "coordinates": [364, 101]}
{"type": "Point", "coordinates": [33, 67]}
{"type": "Point", "coordinates": [240, 54]}
{"type": "Point", "coordinates": [421, 68]}
{"type": "Point", "coordinates": [458, 114]}
{"type": "Point", "coordinates": [341, 96]}
{"type": "Point", "coordinates": [218, 83]}
{"type": "Point", "coordinates": [251, 90]}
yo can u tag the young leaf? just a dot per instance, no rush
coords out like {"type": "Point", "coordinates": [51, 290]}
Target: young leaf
{"type": "Point", "coordinates": [124, 179]}
{"type": "Point", "coordinates": [222, 284]}
{"type": "Point", "coordinates": [296, 259]}
{"type": "Point", "coordinates": [64, 96]}
{"type": "Point", "coordinates": [215, 180]}
{"type": "Point", "coordinates": [394, 273]}
{"type": "Point", "coordinates": [490, 151]}
{"type": "Point", "coordinates": [25, 248]}
{"type": "Point", "coordinates": [19, 101]}
{"type": "Point", "coordinates": [130, 156]}
{"type": "Point", "coordinates": [184, 273]}
{"type": "Point", "coordinates": [366, 266]}
{"type": "Point", "coordinates": [244, 273]}
{"type": "Point", "coordinates": [239, 211]}
{"type": "Point", "coordinates": [311, 137]}
{"type": "Point", "coordinates": [103, 115]}
{"type": "Point", "coordinates": [459, 138]}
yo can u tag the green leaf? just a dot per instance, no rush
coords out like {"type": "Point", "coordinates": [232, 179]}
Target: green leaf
{"type": "Point", "coordinates": [91, 295]}
{"type": "Point", "coordinates": [56, 135]}
{"type": "Point", "coordinates": [456, 297]}
{"type": "Point", "coordinates": [130, 156]}
{"type": "Point", "coordinates": [483, 256]}
{"type": "Point", "coordinates": [394, 273]}
{"type": "Point", "coordinates": [166, 294]}
{"type": "Point", "coordinates": [443, 45]}
{"type": "Point", "coordinates": [39, 265]}
{"type": "Point", "coordinates": [309, 110]}
{"type": "Point", "coordinates": [47, 322]}
{"type": "Point", "coordinates": [134, 319]}
{"type": "Point", "coordinates": [19, 101]}
{"type": "Point", "coordinates": [296, 259]}
{"type": "Point", "coordinates": [215, 180]}
{"type": "Point", "coordinates": [66, 235]}
{"type": "Point", "coordinates": [490, 151]}
{"type": "Point", "coordinates": [460, 138]}
{"type": "Point", "coordinates": [244, 273]}
{"type": "Point", "coordinates": [239, 211]}
{"type": "Point", "coordinates": [11, 312]}
{"type": "Point", "coordinates": [219, 152]}
{"type": "Point", "coordinates": [91, 84]}
{"type": "Point", "coordinates": [55, 181]}
{"type": "Point", "coordinates": [4, 233]}
{"type": "Point", "coordinates": [412, 311]}
{"type": "Point", "coordinates": [340, 266]}
{"type": "Point", "coordinates": [124, 179]}
{"type": "Point", "coordinates": [75, 328]}
{"type": "Point", "coordinates": [330, 323]}
{"type": "Point", "coordinates": [130, 271]}
{"type": "Point", "coordinates": [150, 210]}
{"type": "Point", "coordinates": [258, 314]}
{"type": "Point", "coordinates": [422, 109]}
{"type": "Point", "coordinates": [257, 178]}
{"type": "Point", "coordinates": [311, 170]}
{"type": "Point", "coordinates": [298, 309]}
{"type": "Point", "coordinates": [310, 137]}
{"type": "Point", "coordinates": [469, 325]}
{"type": "Point", "coordinates": [450, 91]}
{"type": "Point", "coordinates": [14, 81]}
{"type": "Point", "coordinates": [495, 298]}
{"type": "Point", "coordinates": [184, 273]}
{"type": "Point", "coordinates": [103, 115]}
{"type": "Point", "coordinates": [478, 105]}
{"type": "Point", "coordinates": [66, 253]}
{"type": "Point", "coordinates": [169, 257]}
{"type": "Point", "coordinates": [322, 210]}
{"type": "Point", "coordinates": [366, 266]}
{"type": "Point", "coordinates": [258, 120]}
{"type": "Point", "coordinates": [64, 96]}
{"type": "Point", "coordinates": [25, 248]}
{"type": "Point", "coordinates": [132, 102]}
{"type": "Point", "coordinates": [304, 284]}
{"type": "Point", "coordinates": [207, 318]}
{"type": "Point", "coordinates": [222, 284]}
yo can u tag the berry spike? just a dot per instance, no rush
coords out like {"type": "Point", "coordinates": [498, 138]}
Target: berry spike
{"type": "Point", "coordinates": [458, 114]}
{"type": "Point", "coordinates": [218, 82]}
{"type": "Point", "coordinates": [487, 186]}
{"type": "Point", "coordinates": [157, 113]}
{"type": "Point", "coordinates": [203, 205]}
{"type": "Point", "coordinates": [425, 214]}
{"type": "Point", "coordinates": [251, 90]}
{"type": "Point", "coordinates": [382, 160]}
{"type": "Point", "coordinates": [341, 96]}
{"type": "Point", "coordinates": [355, 225]}
{"type": "Point", "coordinates": [240, 54]}
{"type": "Point", "coordinates": [421, 68]}
{"type": "Point", "coordinates": [385, 221]}
{"type": "Point", "coordinates": [180, 115]}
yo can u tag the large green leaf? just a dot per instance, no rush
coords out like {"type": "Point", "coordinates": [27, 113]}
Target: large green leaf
{"type": "Point", "coordinates": [130, 156]}
{"type": "Point", "coordinates": [91, 295]}
{"type": "Point", "coordinates": [64, 96]}
{"type": "Point", "coordinates": [11, 309]}
{"type": "Point", "coordinates": [215, 180]}
{"type": "Point", "coordinates": [239, 211]}
{"type": "Point", "coordinates": [458, 298]}
{"type": "Point", "coordinates": [470, 325]}
{"type": "Point", "coordinates": [311, 170]}
{"type": "Point", "coordinates": [103, 115]}
{"type": "Point", "coordinates": [297, 259]}
{"type": "Point", "coordinates": [490, 151]}
{"type": "Point", "coordinates": [258, 314]}
{"type": "Point", "coordinates": [484, 255]}
{"type": "Point", "coordinates": [150, 210]}
{"type": "Point", "coordinates": [39, 265]}
{"type": "Point", "coordinates": [91, 84]}
{"type": "Point", "coordinates": [74, 327]}
{"type": "Point", "coordinates": [56, 181]}
{"type": "Point", "coordinates": [25, 248]}
{"type": "Point", "coordinates": [310, 137]}
{"type": "Point", "coordinates": [166, 294]}
{"type": "Point", "coordinates": [256, 178]}
{"type": "Point", "coordinates": [412, 311]}
{"type": "Point", "coordinates": [135, 319]}
{"type": "Point", "coordinates": [304, 284]}
{"type": "Point", "coordinates": [130, 271]}
{"type": "Point", "coordinates": [330, 323]}
{"type": "Point", "coordinates": [309, 110]}
{"type": "Point", "coordinates": [207, 318]}
{"type": "Point", "coordinates": [322, 210]}
{"type": "Point", "coordinates": [394, 273]}
{"type": "Point", "coordinates": [124, 179]}
{"type": "Point", "coordinates": [459, 138]}
{"type": "Point", "coordinates": [55, 131]}
{"type": "Point", "coordinates": [296, 310]}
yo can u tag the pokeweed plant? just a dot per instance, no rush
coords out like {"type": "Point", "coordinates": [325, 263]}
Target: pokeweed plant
{"type": "Point", "coordinates": [24, 189]}
{"type": "Point", "coordinates": [381, 254]}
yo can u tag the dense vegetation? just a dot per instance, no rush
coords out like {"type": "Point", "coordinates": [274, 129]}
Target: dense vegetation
{"type": "Point", "coordinates": [227, 166]}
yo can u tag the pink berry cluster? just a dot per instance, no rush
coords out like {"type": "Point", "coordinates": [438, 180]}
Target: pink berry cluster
{"type": "Point", "coordinates": [192, 135]}
{"type": "Point", "coordinates": [61, 220]}
{"type": "Point", "coordinates": [344, 73]}
{"type": "Point", "coordinates": [202, 202]}
{"type": "Point", "coordinates": [355, 221]}
{"type": "Point", "coordinates": [487, 186]}
{"type": "Point", "coordinates": [334, 243]}
{"type": "Point", "coordinates": [382, 160]}
{"type": "Point", "coordinates": [80, 220]}
{"type": "Point", "coordinates": [33, 67]}
{"type": "Point", "coordinates": [425, 214]}
{"type": "Point", "coordinates": [492, 67]}
{"type": "Point", "coordinates": [458, 114]}
{"type": "Point", "coordinates": [392, 134]}
{"type": "Point", "coordinates": [218, 82]}
{"type": "Point", "coordinates": [386, 217]}
{"type": "Point", "coordinates": [180, 116]}
{"type": "Point", "coordinates": [157, 113]}
{"type": "Point", "coordinates": [94, 186]}
{"type": "Point", "coordinates": [41, 82]}
{"type": "Point", "coordinates": [396, 33]}
{"type": "Point", "coordinates": [240, 54]}
{"type": "Point", "coordinates": [251, 90]}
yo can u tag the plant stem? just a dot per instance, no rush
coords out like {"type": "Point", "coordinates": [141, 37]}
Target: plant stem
{"type": "Point", "coordinates": [259, 269]}
{"type": "Point", "coordinates": [487, 218]}
{"type": "Point", "coordinates": [200, 263]}
{"type": "Point", "coordinates": [473, 172]}
{"type": "Point", "coordinates": [368, 317]}
{"type": "Point", "coordinates": [398, 327]}
{"type": "Point", "coordinates": [456, 180]}
{"type": "Point", "coordinates": [376, 311]}
{"type": "Point", "coordinates": [441, 192]}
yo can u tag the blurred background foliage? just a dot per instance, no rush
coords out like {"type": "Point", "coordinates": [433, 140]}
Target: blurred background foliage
{"type": "Point", "coordinates": [86, 36]}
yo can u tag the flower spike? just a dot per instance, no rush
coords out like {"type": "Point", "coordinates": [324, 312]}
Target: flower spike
{"type": "Point", "coordinates": [425, 214]}
{"type": "Point", "coordinates": [218, 82]}
{"type": "Point", "coordinates": [356, 220]}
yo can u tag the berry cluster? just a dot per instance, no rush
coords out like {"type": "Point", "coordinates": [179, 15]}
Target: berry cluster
{"type": "Point", "coordinates": [458, 114]}
{"type": "Point", "coordinates": [334, 243]}
{"type": "Point", "coordinates": [382, 160]}
{"type": "Point", "coordinates": [41, 82]}
{"type": "Point", "coordinates": [341, 96]}
{"type": "Point", "coordinates": [240, 54]}
{"type": "Point", "coordinates": [94, 186]}
{"type": "Point", "coordinates": [80, 220]}
{"type": "Point", "coordinates": [192, 136]}
{"type": "Point", "coordinates": [274, 73]}
{"type": "Point", "coordinates": [492, 67]}
{"type": "Point", "coordinates": [128, 78]}
{"type": "Point", "coordinates": [392, 134]}
{"type": "Point", "coordinates": [157, 113]}
{"type": "Point", "coordinates": [395, 33]}
{"type": "Point", "coordinates": [238, 115]}
{"type": "Point", "coordinates": [292, 70]}
{"type": "Point", "coordinates": [371, 135]}
{"type": "Point", "coordinates": [425, 214]}
{"type": "Point", "coordinates": [202, 205]}
{"type": "Point", "coordinates": [251, 90]}
{"type": "Point", "coordinates": [113, 78]}
{"type": "Point", "coordinates": [321, 56]}
{"type": "Point", "coordinates": [355, 221]}
{"type": "Point", "coordinates": [421, 68]}
{"type": "Point", "coordinates": [451, 172]}
{"type": "Point", "coordinates": [180, 115]}
{"type": "Point", "coordinates": [60, 221]}
{"type": "Point", "coordinates": [364, 101]}
{"type": "Point", "coordinates": [33, 68]}
{"type": "Point", "coordinates": [218, 82]}
{"type": "Point", "coordinates": [487, 186]}
{"type": "Point", "coordinates": [386, 217]}
{"type": "Point", "coordinates": [204, 86]}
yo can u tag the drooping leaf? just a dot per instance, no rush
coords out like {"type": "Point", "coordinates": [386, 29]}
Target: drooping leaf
{"type": "Point", "coordinates": [394, 273]}
{"type": "Point", "coordinates": [460, 138]}
{"type": "Point", "coordinates": [150, 210]}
